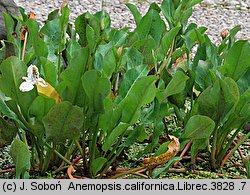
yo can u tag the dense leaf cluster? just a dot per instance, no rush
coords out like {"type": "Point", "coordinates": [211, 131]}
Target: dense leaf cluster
{"type": "Point", "coordinates": [108, 86]}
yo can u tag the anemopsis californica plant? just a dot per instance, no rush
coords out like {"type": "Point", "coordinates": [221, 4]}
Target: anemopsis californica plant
{"type": "Point", "coordinates": [32, 79]}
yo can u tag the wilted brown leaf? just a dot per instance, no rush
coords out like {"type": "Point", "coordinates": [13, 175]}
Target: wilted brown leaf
{"type": "Point", "coordinates": [173, 149]}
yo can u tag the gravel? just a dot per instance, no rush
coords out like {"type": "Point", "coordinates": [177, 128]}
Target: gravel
{"type": "Point", "coordinates": [216, 15]}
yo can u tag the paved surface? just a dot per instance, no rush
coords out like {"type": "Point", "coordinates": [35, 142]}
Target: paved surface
{"type": "Point", "coordinates": [214, 14]}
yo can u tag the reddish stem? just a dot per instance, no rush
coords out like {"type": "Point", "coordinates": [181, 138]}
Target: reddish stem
{"type": "Point", "coordinates": [7, 171]}
{"type": "Point", "coordinates": [183, 152]}
{"type": "Point", "coordinates": [76, 159]}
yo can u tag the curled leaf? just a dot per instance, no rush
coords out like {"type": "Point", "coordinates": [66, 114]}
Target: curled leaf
{"type": "Point", "coordinates": [173, 149]}
{"type": "Point", "coordinates": [70, 170]}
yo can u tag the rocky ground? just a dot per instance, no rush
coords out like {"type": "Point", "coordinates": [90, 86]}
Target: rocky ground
{"type": "Point", "coordinates": [216, 15]}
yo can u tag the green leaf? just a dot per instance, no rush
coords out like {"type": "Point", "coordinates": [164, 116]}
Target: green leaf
{"type": "Point", "coordinates": [151, 25]}
{"type": "Point", "coordinates": [11, 72]}
{"type": "Point", "coordinates": [168, 8]}
{"type": "Point", "coordinates": [228, 41]}
{"type": "Point", "coordinates": [119, 38]}
{"type": "Point", "coordinates": [20, 154]}
{"type": "Point", "coordinates": [154, 6]}
{"type": "Point", "coordinates": [23, 14]}
{"type": "Point", "coordinates": [197, 145]}
{"type": "Point", "coordinates": [186, 15]}
{"type": "Point", "coordinates": [178, 14]}
{"type": "Point", "coordinates": [63, 22]}
{"type": "Point", "coordinates": [244, 82]}
{"type": "Point", "coordinates": [176, 3]}
{"type": "Point", "coordinates": [96, 89]}
{"type": "Point", "coordinates": [97, 164]}
{"type": "Point", "coordinates": [134, 58]}
{"type": "Point", "coordinates": [63, 121]}
{"type": "Point", "coordinates": [156, 112]}
{"type": "Point", "coordinates": [158, 171]}
{"type": "Point", "coordinates": [162, 149]}
{"type": "Point", "coordinates": [137, 134]}
{"type": "Point", "coordinates": [178, 99]}
{"type": "Point", "coordinates": [247, 165]}
{"type": "Point", "coordinates": [7, 132]}
{"type": "Point", "coordinates": [199, 56]}
{"type": "Point", "coordinates": [129, 78]}
{"type": "Point", "coordinates": [166, 41]}
{"type": "Point", "coordinates": [177, 84]}
{"type": "Point", "coordinates": [135, 12]}
{"type": "Point", "coordinates": [212, 52]}
{"type": "Point", "coordinates": [6, 111]}
{"type": "Point", "coordinates": [72, 84]}
{"type": "Point", "coordinates": [141, 92]}
{"type": "Point", "coordinates": [113, 136]}
{"type": "Point", "coordinates": [9, 26]}
{"type": "Point", "coordinates": [52, 15]}
{"type": "Point", "coordinates": [218, 100]}
{"type": "Point", "coordinates": [50, 71]}
{"type": "Point", "coordinates": [237, 60]}
{"type": "Point", "coordinates": [107, 120]}
{"type": "Point", "coordinates": [105, 59]}
{"type": "Point", "coordinates": [95, 21]}
{"type": "Point", "coordinates": [64, 18]}
{"type": "Point", "coordinates": [203, 75]}
{"type": "Point", "coordinates": [103, 19]}
{"type": "Point", "coordinates": [52, 36]}
{"type": "Point", "coordinates": [38, 43]}
{"type": "Point", "coordinates": [36, 129]}
{"type": "Point", "coordinates": [198, 127]}
{"type": "Point", "coordinates": [241, 113]}
{"type": "Point", "coordinates": [146, 47]}
{"type": "Point", "coordinates": [91, 38]}
{"type": "Point", "coordinates": [194, 2]}
{"type": "Point", "coordinates": [80, 25]}
{"type": "Point", "coordinates": [109, 63]}
{"type": "Point", "coordinates": [40, 107]}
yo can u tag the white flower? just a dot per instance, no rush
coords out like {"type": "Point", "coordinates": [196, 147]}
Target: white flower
{"type": "Point", "coordinates": [32, 79]}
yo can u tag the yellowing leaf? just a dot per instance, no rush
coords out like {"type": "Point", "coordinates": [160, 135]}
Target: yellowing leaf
{"type": "Point", "coordinates": [50, 92]}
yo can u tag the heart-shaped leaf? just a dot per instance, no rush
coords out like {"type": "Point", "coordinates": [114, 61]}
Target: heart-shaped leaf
{"type": "Point", "coordinates": [198, 129]}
